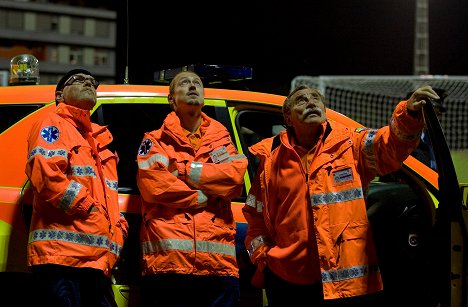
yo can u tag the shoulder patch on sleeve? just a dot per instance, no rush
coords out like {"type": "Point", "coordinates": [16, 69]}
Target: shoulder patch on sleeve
{"type": "Point", "coordinates": [50, 134]}
{"type": "Point", "coordinates": [360, 129]}
{"type": "Point", "coordinates": [145, 147]}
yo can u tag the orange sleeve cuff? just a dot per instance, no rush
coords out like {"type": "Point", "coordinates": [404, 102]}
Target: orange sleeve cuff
{"type": "Point", "coordinates": [260, 254]}
{"type": "Point", "coordinates": [82, 208]}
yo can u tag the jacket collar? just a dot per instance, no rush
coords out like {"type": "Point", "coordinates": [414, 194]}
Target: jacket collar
{"type": "Point", "coordinates": [79, 118]}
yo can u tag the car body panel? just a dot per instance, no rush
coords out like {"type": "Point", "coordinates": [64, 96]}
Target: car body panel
{"type": "Point", "coordinates": [230, 105]}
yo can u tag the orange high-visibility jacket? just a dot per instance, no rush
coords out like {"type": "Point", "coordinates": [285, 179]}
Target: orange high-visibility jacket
{"type": "Point", "coordinates": [312, 227]}
{"type": "Point", "coordinates": [188, 225]}
{"type": "Point", "coordinates": [71, 169]}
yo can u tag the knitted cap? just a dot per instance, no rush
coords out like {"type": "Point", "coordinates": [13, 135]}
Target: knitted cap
{"type": "Point", "coordinates": [67, 76]}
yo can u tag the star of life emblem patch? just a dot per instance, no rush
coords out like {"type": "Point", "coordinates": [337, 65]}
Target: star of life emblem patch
{"type": "Point", "coordinates": [50, 134]}
{"type": "Point", "coordinates": [145, 147]}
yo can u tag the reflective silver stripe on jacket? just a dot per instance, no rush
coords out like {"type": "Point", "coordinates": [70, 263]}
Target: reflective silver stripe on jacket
{"type": "Point", "coordinates": [202, 198]}
{"type": "Point", "coordinates": [112, 184]}
{"type": "Point", "coordinates": [83, 171]}
{"type": "Point", "coordinates": [195, 172]}
{"type": "Point", "coordinates": [187, 246]}
{"type": "Point", "coordinates": [251, 201]}
{"type": "Point", "coordinates": [255, 244]}
{"type": "Point", "coordinates": [197, 167]}
{"type": "Point", "coordinates": [75, 238]}
{"type": "Point", "coordinates": [70, 194]}
{"type": "Point", "coordinates": [153, 160]}
{"type": "Point", "coordinates": [46, 153]}
{"type": "Point", "coordinates": [238, 157]}
{"type": "Point", "coordinates": [349, 273]}
{"type": "Point", "coordinates": [369, 150]}
{"type": "Point", "coordinates": [401, 134]}
{"type": "Point", "coordinates": [336, 197]}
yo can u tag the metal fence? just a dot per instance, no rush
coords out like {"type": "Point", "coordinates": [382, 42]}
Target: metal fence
{"type": "Point", "coordinates": [370, 100]}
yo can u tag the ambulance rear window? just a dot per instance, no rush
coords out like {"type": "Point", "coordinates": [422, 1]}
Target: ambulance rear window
{"type": "Point", "coordinates": [13, 113]}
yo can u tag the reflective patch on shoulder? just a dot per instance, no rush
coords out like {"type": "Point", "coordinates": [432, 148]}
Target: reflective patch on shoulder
{"type": "Point", "coordinates": [50, 134]}
{"type": "Point", "coordinates": [145, 147]}
{"type": "Point", "coordinates": [360, 129]}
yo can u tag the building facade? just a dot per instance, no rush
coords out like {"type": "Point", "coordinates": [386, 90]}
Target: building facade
{"type": "Point", "coordinates": [61, 36]}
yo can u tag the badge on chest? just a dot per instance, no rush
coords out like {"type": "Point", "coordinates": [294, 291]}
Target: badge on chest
{"type": "Point", "coordinates": [220, 155]}
{"type": "Point", "coordinates": [342, 176]}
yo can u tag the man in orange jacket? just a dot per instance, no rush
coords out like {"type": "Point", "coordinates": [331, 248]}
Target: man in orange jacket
{"type": "Point", "coordinates": [188, 172]}
{"type": "Point", "coordinates": [308, 231]}
{"type": "Point", "coordinates": [77, 232]}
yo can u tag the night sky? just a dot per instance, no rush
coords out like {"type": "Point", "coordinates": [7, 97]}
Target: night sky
{"type": "Point", "coordinates": [280, 41]}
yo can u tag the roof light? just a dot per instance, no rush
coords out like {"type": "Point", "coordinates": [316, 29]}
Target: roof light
{"type": "Point", "coordinates": [24, 70]}
{"type": "Point", "coordinates": [208, 73]}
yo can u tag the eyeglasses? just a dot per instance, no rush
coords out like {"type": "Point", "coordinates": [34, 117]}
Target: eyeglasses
{"type": "Point", "coordinates": [79, 79]}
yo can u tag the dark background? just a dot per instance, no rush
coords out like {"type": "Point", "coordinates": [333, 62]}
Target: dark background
{"type": "Point", "coordinates": [281, 40]}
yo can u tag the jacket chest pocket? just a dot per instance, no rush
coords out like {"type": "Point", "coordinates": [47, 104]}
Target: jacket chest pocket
{"type": "Point", "coordinates": [221, 144]}
{"type": "Point", "coordinates": [82, 163]}
{"type": "Point", "coordinates": [350, 242]}
{"type": "Point", "coordinates": [342, 175]}
{"type": "Point", "coordinates": [335, 176]}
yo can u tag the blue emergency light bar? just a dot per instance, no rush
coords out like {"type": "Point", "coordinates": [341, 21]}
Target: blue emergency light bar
{"type": "Point", "coordinates": [210, 74]}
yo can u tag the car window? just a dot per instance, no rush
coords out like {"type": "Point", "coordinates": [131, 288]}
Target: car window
{"type": "Point", "coordinates": [254, 126]}
{"type": "Point", "coordinates": [11, 114]}
{"type": "Point", "coordinates": [128, 123]}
